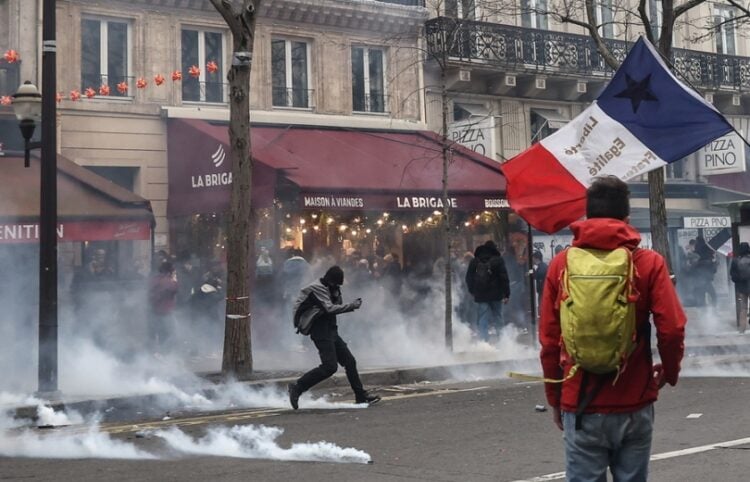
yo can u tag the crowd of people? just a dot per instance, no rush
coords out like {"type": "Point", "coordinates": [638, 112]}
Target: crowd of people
{"type": "Point", "coordinates": [490, 287]}
{"type": "Point", "coordinates": [698, 265]}
{"type": "Point", "coordinates": [175, 293]}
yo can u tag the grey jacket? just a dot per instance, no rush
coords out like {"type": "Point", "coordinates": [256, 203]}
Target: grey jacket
{"type": "Point", "coordinates": [317, 304]}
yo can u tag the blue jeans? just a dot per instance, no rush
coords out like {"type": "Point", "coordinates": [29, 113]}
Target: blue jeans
{"type": "Point", "coordinates": [490, 313]}
{"type": "Point", "coordinates": [618, 441]}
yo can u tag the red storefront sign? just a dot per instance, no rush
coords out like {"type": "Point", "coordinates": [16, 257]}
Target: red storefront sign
{"type": "Point", "coordinates": [78, 231]}
{"type": "Point", "coordinates": [399, 202]}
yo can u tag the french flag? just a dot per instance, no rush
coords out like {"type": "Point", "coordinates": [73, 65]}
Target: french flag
{"type": "Point", "coordinates": [643, 120]}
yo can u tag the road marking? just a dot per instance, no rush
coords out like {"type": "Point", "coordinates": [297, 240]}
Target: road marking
{"type": "Point", "coordinates": [238, 416]}
{"type": "Point", "coordinates": [655, 457]}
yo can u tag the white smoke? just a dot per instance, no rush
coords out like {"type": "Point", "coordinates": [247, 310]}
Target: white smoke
{"type": "Point", "coordinates": [251, 442]}
{"type": "Point", "coordinates": [19, 441]}
{"type": "Point", "coordinates": [89, 441]}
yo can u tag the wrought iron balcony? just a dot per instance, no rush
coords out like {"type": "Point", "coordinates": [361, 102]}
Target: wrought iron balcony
{"type": "Point", "coordinates": [96, 81]}
{"type": "Point", "coordinates": [294, 97]}
{"type": "Point", "coordinates": [194, 90]}
{"type": "Point", "coordinates": [372, 102]}
{"type": "Point", "coordinates": [406, 3]}
{"type": "Point", "coordinates": [548, 52]}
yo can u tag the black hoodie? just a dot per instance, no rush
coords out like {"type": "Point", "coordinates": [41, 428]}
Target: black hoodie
{"type": "Point", "coordinates": [498, 288]}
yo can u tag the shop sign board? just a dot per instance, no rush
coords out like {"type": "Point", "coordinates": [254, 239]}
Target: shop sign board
{"type": "Point", "coordinates": [706, 222]}
{"type": "Point", "coordinates": [78, 231]}
{"type": "Point", "coordinates": [400, 202]}
{"type": "Point", "coordinates": [475, 134]}
{"type": "Point", "coordinates": [725, 155]}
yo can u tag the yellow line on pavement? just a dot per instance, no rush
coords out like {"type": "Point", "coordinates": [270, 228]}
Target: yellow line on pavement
{"type": "Point", "coordinates": [246, 415]}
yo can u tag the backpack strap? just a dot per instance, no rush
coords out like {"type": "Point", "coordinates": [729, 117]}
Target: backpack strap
{"type": "Point", "coordinates": [585, 398]}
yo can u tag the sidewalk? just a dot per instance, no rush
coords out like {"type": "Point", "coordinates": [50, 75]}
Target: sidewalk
{"type": "Point", "coordinates": [467, 366]}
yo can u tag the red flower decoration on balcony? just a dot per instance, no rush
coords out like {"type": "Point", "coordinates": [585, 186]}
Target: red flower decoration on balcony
{"type": "Point", "coordinates": [176, 75]}
{"type": "Point", "coordinates": [104, 90]}
{"type": "Point", "coordinates": [122, 88]}
{"type": "Point", "coordinates": [11, 56]}
{"type": "Point", "coordinates": [141, 83]}
{"type": "Point", "coordinates": [75, 95]}
{"type": "Point", "coordinates": [90, 93]}
{"type": "Point", "coordinates": [211, 67]}
{"type": "Point", "coordinates": [194, 71]}
{"type": "Point", "coordinates": [158, 79]}
{"type": "Point", "coordinates": [6, 100]}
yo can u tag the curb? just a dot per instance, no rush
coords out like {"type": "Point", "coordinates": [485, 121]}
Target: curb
{"type": "Point", "coordinates": [398, 376]}
{"type": "Point", "coordinates": [373, 378]}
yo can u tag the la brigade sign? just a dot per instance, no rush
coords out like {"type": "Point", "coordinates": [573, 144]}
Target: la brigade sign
{"type": "Point", "coordinates": [725, 155]}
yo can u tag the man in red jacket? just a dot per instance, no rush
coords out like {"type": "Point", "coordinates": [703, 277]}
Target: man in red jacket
{"type": "Point", "coordinates": [614, 430]}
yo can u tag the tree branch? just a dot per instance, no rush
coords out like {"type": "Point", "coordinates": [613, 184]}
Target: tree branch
{"type": "Point", "coordinates": [646, 21]}
{"type": "Point", "coordinates": [745, 10]}
{"type": "Point", "coordinates": [226, 9]}
{"type": "Point", "coordinates": [681, 9]}
{"type": "Point", "coordinates": [598, 40]}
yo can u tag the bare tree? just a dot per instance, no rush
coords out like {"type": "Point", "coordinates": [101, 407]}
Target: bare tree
{"type": "Point", "coordinates": [240, 16]}
{"type": "Point", "coordinates": [434, 51]}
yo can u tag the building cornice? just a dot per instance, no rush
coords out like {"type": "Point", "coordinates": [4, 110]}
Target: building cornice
{"type": "Point", "coordinates": [292, 117]}
{"type": "Point", "coordinates": [367, 15]}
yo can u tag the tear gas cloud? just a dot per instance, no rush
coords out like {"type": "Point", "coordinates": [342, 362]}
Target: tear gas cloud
{"type": "Point", "coordinates": [104, 346]}
{"type": "Point", "coordinates": [89, 441]}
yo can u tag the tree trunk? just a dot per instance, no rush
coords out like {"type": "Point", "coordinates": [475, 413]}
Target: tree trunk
{"type": "Point", "coordinates": [238, 360]}
{"type": "Point", "coordinates": [657, 200]}
{"type": "Point", "coordinates": [446, 215]}
{"type": "Point", "coordinates": [658, 214]}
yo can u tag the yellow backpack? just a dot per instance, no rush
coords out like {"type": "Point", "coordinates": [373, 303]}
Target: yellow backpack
{"type": "Point", "coordinates": [597, 311]}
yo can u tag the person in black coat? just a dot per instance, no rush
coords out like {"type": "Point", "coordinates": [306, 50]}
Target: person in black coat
{"type": "Point", "coordinates": [332, 350]}
{"type": "Point", "coordinates": [740, 274]}
{"type": "Point", "coordinates": [487, 281]}
{"type": "Point", "coordinates": [540, 273]}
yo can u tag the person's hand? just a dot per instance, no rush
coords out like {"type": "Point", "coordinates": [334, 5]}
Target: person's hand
{"type": "Point", "coordinates": [505, 300]}
{"type": "Point", "coordinates": [658, 374]}
{"type": "Point", "coordinates": [357, 303]}
{"type": "Point", "coordinates": [557, 417]}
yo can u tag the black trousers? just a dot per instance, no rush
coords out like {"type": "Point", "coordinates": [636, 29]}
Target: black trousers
{"type": "Point", "coordinates": [332, 353]}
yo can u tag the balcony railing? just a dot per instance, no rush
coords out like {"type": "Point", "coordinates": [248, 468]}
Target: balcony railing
{"type": "Point", "coordinates": [555, 52]}
{"type": "Point", "coordinates": [373, 102]}
{"type": "Point", "coordinates": [194, 90]}
{"type": "Point", "coordinates": [406, 3]}
{"type": "Point", "coordinates": [10, 77]}
{"type": "Point", "coordinates": [95, 81]}
{"type": "Point", "coordinates": [299, 98]}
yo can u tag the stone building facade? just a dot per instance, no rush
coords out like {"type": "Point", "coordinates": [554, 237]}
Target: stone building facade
{"type": "Point", "coordinates": [329, 62]}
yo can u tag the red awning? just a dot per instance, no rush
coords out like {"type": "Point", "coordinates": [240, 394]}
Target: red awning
{"type": "Point", "coordinates": [89, 207]}
{"type": "Point", "coordinates": [331, 168]}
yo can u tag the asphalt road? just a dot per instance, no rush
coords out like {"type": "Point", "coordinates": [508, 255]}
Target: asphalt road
{"type": "Point", "coordinates": [478, 431]}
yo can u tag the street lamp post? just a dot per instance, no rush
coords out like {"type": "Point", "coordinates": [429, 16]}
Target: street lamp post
{"type": "Point", "coordinates": [24, 102]}
{"type": "Point", "coordinates": [48, 207]}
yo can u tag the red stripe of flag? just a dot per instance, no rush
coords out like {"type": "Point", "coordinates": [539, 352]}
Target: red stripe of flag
{"type": "Point", "coordinates": [542, 191]}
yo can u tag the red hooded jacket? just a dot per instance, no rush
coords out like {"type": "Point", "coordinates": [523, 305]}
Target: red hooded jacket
{"type": "Point", "coordinates": [635, 387]}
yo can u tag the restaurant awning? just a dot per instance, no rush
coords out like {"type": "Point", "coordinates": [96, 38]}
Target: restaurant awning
{"type": "Point", "coordinates": [327, 168]}
{"type": "Point", "coordinates": [90, 207]}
